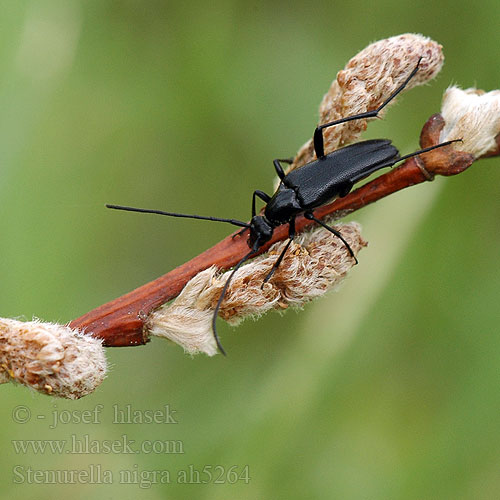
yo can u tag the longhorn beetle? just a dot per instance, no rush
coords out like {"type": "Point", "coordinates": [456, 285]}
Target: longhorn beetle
{"type": "Point", "coordinates": [302, 190]}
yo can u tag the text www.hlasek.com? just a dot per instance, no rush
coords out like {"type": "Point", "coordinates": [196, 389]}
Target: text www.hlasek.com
{"type": "Point", "coordinates": [86, 445]}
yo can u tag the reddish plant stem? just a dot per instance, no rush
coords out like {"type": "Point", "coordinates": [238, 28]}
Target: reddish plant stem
{"type": "Point", "coordinates": [122, 322]}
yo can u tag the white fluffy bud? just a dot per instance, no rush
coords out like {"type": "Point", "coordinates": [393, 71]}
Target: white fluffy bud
{"type": "Point", "coordinates": [473, 116]}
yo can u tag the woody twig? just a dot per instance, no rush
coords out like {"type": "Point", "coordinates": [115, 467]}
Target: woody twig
{"type": "Point", "coordinates": [372, 75]}
{"type": "Point", "coordinates": [121, 322]}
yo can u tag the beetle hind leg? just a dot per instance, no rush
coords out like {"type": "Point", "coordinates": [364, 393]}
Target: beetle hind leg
{"type": "Point", "coordinates": [318, 140]}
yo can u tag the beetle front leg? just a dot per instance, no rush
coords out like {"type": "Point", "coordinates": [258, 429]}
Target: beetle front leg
{"type": "Point", "coordinates": [263, 196]}
{"type": "Point", "coordinates": [310, 216]}
{"type": "Point", "coordinates": [291, 235]}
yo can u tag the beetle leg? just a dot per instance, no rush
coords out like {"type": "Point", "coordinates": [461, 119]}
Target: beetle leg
{"type": "Point", "coordinates": [345, 189]}
{"type": "Point", "coordinates": [318, 133]}
{"type": "Point", "coordinates": [279, 168]}
{"type": "Point", "coordinates": [263, 196]}
{"type": "Point", "coordinates": [291, 235]}
{"type": "Point", "coordinates": [255, 248]}
{"type": "Point", "coordinates": [309, 215]}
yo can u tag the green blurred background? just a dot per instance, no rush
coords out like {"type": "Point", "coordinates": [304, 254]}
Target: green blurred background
{"type": "Point", "coordinates": [386, 389]}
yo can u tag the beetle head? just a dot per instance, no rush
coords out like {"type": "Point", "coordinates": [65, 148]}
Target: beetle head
{"type": "Point", "coordinates": [261, 231]}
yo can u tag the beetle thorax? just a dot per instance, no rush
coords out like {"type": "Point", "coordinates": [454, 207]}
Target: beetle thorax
{"type": "Point", "coordinates": [283, 206]}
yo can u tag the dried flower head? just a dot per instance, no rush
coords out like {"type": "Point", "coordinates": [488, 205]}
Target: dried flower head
{"type": "Point", "coordinates": [50, 358]}
{"type": "Point", "coordinates": [316, 262]}
{"type": "Point", "coordinates": [473, 116]}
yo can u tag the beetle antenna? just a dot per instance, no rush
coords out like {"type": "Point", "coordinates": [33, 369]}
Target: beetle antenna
{"type": "Point", "coordinates": [430, 148]}
{"type": "Point", "coordinates": [223, 294]}
{"type": "Point", "coordinates": [234, 222]}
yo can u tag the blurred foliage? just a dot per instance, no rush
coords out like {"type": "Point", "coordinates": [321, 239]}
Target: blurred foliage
{"type": "Point", "coordinates": [388, 388]}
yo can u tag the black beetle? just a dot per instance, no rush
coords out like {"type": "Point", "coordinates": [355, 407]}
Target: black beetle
{"type": "Point", "coordinates": [308, 187]}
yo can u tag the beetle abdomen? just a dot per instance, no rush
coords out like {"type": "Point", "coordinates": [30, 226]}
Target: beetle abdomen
{"type": "Point", "coordinates": [323, 180]}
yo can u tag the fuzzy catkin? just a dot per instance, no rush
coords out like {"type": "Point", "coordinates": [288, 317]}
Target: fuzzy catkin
{"type": "Point", "coordinates": [315, 262]}
{"type": "Point", "coordinates": [368, 79]}
{"type": "Point", "coordinates": [50, 358]}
